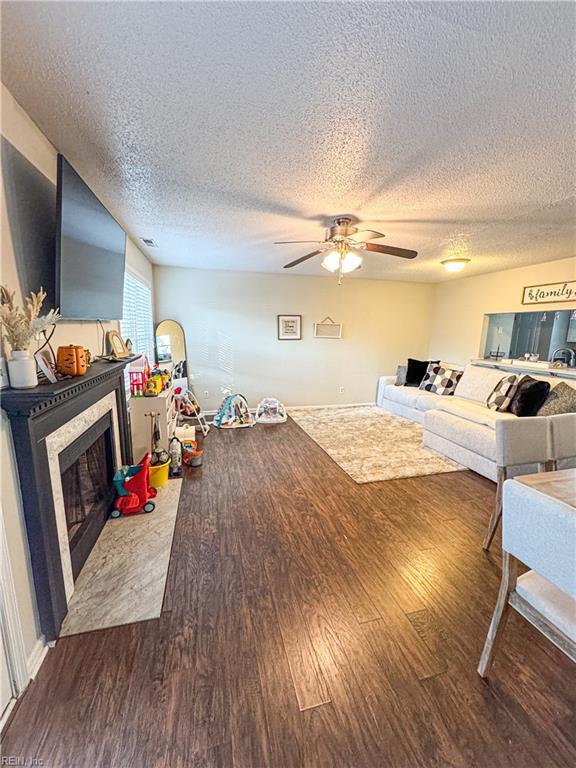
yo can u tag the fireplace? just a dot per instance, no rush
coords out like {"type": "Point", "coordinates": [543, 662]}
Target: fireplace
{"type": "Point", "coordinates": [68, 437]}
{"type": "Point", "coordinates": [87, 469]}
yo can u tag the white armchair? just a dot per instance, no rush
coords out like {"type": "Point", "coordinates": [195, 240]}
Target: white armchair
{"type": "Point", "coordinates": [523, 441]}
{"type": "Point", "coordinates": [539, 530]}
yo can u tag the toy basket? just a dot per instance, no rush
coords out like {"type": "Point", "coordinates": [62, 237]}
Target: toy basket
{"type": "Point", "coordinates": [159, 474]}
{"type": "Point", "coordinates": [192, 456]}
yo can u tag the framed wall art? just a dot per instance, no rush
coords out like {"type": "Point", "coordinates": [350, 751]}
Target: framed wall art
{"type": "Point", "coordinates": [289, 327]}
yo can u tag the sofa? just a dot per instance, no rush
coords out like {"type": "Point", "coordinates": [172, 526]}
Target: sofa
{"type": "Point", "coordinates": [494, 444]}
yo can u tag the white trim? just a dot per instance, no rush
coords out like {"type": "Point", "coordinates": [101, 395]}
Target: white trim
{"type": "Point", "coordinates": [10, 616]}
{"type": "Point", "coordinates": [328, 405]}
{"type": "Point", "coordinates": [302, 407]}
{"type": "Point", "coordinates": [6, 714]}
{"type": "Point", "coordinates": [37, 656]}
{"type": "Point", "coordinates": [56, 442]}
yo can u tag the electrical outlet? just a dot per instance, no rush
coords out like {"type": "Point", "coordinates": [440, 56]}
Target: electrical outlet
{"type": "Point", "coordinates": [341, 389]}
{"type": "Point", "coordinates": [205, 393]}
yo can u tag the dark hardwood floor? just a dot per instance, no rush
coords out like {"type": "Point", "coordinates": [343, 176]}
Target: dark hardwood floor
{"type": "Point", "coordinates": [309, 622]}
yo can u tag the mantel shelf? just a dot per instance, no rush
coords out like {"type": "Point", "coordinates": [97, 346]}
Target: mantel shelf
{"type": "Point", "coordinates": [47, 395]}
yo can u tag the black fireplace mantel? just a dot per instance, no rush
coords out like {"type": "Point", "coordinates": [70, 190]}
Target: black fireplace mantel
{"type": "Point", "coordinates": [34, 414]}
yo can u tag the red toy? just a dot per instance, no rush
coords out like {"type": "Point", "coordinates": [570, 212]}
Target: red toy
{"type": "Point", "coordinates": [133, 488]}
{"type": "Point", "coordinates": [139, 372]}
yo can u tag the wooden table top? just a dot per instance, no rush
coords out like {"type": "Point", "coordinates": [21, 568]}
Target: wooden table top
{"type": "Point", "coordinates": [560, 485]}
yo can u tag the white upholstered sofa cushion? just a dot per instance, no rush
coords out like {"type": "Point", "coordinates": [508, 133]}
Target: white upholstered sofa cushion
{"type": "Point", "coordinates": [477, 438]}
{"type": "Point", "coordinates": [478, 382]}
{"type": "Point", "coordinates": [472, 411]}
{"type": "Point", "coordinates": [411, 397]}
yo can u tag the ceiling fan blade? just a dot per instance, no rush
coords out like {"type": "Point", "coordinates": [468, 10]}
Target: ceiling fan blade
{"type": "Point", "coordinates": [286, 242]}
{"type": "Point", "coordinates": [390, 250]}
{"type": "Point", "coordinates": [301, 259]}
{"type": "Point", "coordinates": [366, 234]}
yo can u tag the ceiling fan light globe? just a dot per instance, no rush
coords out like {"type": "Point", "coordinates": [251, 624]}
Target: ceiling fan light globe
{"type": "Point", "coordinates": [331, 261]}
{"type": "Point", "coordinates": [351, 261]}
{"type": "Point", "coordinates": [454, 265]}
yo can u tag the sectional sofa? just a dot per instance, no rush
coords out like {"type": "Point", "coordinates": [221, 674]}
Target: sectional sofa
{"type": "Point", "coordinates": [496, 445]}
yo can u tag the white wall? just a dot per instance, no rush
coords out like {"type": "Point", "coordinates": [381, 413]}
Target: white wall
{"type": "Point", "coordinates": [460, 305]}
{"type": "Point", "coordinates": [24, 135]}
{"type": "Point", "coordinates": [229, 319]}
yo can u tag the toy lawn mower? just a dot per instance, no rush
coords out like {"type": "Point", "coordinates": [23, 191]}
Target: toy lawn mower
{"type": "Point", "coordinates": [133, 488]}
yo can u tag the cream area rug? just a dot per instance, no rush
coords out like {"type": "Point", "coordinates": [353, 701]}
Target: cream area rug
{"type": "Point", "coordinates": [123, 579]}
{"type": "Point", "coordinates": [371, 444]}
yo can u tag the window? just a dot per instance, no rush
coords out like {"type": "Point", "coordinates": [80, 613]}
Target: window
{"type": "Point", "coordinates": [136, 324]}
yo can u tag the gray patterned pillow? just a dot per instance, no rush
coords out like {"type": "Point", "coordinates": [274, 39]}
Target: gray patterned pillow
{"type": "Point", "coordinates": [440, 380]}
{"type": "Point", "coordinates": [503, 393]}
{"type": "Point", "coordinates": [400, 375]}
{"type": "Point", "coordinates": [561, 399]}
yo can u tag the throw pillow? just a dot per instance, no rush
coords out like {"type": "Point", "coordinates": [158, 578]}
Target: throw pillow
{"type": "Point", "coordinates": [561, 399]}
{"type": "Point", "coordinates": [416, 370]}
{"type": "Point", "coordinates": [477, 382]}
{"type": "Point", "coordinates": [440, 380]}
{"type": "Point", "coordinates": [400, 376]}
{"type": "Point", "coordinates": [529, 397]}
{"type": "Point", "coordinates": [503, 393]}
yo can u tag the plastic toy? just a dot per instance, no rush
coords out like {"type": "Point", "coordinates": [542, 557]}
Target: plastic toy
{"type": "Point", "coordinates": [133, 488]}
{"type": "Point", "coordinates": [233, 413]}
{"type": "Point", "coordinates": [175, 450]}
{"type": "Point", "coordinates": [189, 408]}
{"type": "Point", "coordinates": [270, 411]}
{"type": "Point", "coordinates": [139, 373]}
{"type": "Point", "coordinates": [154, 386]}
{"type": "Point", "coordinates": [192, 456]}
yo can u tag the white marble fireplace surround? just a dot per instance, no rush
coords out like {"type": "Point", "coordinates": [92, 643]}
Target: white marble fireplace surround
{"type": "Point", "coordinates": [56, 442]}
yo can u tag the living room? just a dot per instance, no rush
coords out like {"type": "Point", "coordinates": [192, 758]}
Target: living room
{"type": "Point", "coordinates": [327, 585]}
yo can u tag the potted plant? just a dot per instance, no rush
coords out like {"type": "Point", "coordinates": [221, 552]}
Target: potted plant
{"type": "Point", "coordinates": [20, 326]}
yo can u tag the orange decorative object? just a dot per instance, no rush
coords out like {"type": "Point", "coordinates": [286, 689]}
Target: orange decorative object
{"type": "Point", "coordinates": [71, 361]}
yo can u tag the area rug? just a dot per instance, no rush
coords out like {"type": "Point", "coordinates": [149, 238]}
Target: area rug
{"type": "Point", "coordinates": [123, 579]}
{"type": "Point", "coordinates": [370, 444]}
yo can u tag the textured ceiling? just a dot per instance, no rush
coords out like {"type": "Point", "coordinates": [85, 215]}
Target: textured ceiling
{"type": "Point", "coordinates": [217, 128]}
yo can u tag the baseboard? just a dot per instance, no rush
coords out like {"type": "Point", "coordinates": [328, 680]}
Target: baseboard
{"type": "Point", "coordinates": [306, 407]}
{"type": "Point", "coordinates": [37, 656]}
{"type": "Point", "coordinates": [329, 405]}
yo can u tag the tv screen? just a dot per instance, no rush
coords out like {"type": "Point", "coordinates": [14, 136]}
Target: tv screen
{"type": "Point", "coordinates": [90, 252]}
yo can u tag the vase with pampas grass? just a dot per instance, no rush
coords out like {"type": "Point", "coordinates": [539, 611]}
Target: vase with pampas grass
{"type": "Point", "coordinates": [20, 327]}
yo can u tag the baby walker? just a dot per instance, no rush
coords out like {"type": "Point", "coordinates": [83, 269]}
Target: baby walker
{"type": "Point", "coordinates": [133, 489]}
{"type": "Point", "coordinates": [270, 411]}
{"type": "Point", "coordinates": [233, 413]}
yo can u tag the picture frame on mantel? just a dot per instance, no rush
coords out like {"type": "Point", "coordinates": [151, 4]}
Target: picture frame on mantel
{"type": "Point", "coordinates": [549, 293]}
{"type": "Point", "coordinates": [289, 327]}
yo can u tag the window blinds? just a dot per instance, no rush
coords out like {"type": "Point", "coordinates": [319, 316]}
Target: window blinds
{"type": "Point", "coordinates": [137, 324]}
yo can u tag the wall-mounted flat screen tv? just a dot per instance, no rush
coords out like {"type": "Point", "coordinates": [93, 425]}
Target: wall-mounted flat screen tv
{"type": "Point", "coordinates": [90, 252]}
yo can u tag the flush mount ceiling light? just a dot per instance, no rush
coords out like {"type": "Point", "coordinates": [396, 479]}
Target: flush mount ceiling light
{"type": "Point", "coordinates": [454, 265]}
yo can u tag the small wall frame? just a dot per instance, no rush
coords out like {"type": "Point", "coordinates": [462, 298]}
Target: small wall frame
{"type": "Point", "coordinates": [327, 329]}
{"type": "Point", "coordinates": [289, 327]}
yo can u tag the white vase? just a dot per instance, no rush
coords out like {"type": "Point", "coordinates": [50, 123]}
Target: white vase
{"type": "Point", "coordinates": [22, 370]}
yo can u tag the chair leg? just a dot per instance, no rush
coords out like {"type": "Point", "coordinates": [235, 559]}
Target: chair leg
{"type": "Point", "coordinates": [497, 511]}
{"type": "Point", "coordinates": [495, 631]}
